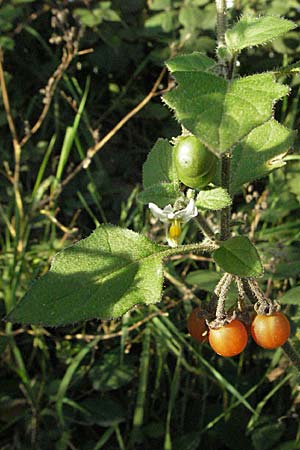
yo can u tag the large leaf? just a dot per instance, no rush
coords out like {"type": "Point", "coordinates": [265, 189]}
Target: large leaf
{"type": "Point", "coordinates": [238, 256]}
{"type": "Point", "coordinates": [220, 112]}
{"type": "Point", "coordinates": [162, 194]}
{"type": "Point", "coordinates": [249, 31]}
{"type": "Point", "coordinates": [160, 180]}
{"type": "Point", "coordinates": [102, 276]}
{"type": "Point", "coordinates": [266, 146]}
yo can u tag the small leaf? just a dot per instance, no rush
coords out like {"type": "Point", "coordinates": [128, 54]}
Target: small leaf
{"type": "Point", "coordinates": [219, 112]}
{"type": "Point", "coordinates": [213, 199]}
{"type": "Point", "coordinates": [102, 276]}
{"type": "Point", "coordinates": [238, 256]}
{"type": "Point", "coordinates": [249, 31]}
{"type": "Point", "coordinates": [192, 62]}
{"type": "Point", "coordinates": [159, 166]}
{"type": "Point", "coordinates": [266, 145]}
{"type": "Point", "coordinates": [162, 194]}
{"type": "Point", "coordinates": [205, 279]}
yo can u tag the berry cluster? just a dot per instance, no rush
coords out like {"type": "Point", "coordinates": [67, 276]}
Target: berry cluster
{"type": "Point", "coordinates": [268, 331]}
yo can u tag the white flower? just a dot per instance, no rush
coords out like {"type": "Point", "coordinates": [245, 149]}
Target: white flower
{"type": "Point", "coordinates": [168, 214]}
{"type": "Point", "coordinates": [175, 218]}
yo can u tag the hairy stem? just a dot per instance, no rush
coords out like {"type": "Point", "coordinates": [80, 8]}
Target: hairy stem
{"type": "Point", "coordinates": [225, 182]}
{"type": "Point", "coordinates": [220, 311]}
{"type": "Point", "coordinates": [182, 249]}
{"type": "Point", "coordinates": [204, 226]}
{"type": "Point", "coordinates": [221, 21]}
{"type": "Point", "coordinates": [221, 8]}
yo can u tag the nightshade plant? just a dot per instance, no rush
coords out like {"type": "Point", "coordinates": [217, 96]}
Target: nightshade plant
{"type": "Point", "coordinates": [233, 139]}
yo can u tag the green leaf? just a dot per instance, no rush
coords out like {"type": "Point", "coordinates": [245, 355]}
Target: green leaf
{"type": "Point", "coordinates": [291, 297]}
{"type": "Point", "coordinates": [159, 166]}
{"type": "Point", "coordinates": [238, 256]}
{"type": "Point", "coordinates": [266, 145]}
{"type": "Point", "coordinates": [220, 112]}
{"type": "Point", "coordinates": [7, 43]}
{"type": "Point", "coordinates": [249, 31]}
{"type": "Point", "coordinates": [205, 279]}
{"type": "Point", "coordinates": [89, 18]}
{"type": "Point", "coordinates": [288, 445]}
{"type": "Point", "coordinates": [157, 5]}
{"type": "Point", "coordinates": [192, 62]}
{"type": "Point", "coordinates": [290, 69]}
{"type": "Point", "coordinates": [96, 16]}
{"type": "Point", "coordinates": [109, 374]}
{"type": "Point", "coordinates": [274, 433]}
{"type": "Point", "coordinates": [213, 199]}
{"type": "Point", "coordinates": [190, 17]}
{"type": "Point", "coordinates": [101, 411]}
{"type": "Point", "coordinates": [102, 276]}
{"type": "Point", "coordinates": [162, 194]}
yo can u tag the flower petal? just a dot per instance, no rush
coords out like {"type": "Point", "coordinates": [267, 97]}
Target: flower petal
{"type": "Point", "coordinates": [159, 213]}
{"type": "Point", "coordinates": [187, 213]}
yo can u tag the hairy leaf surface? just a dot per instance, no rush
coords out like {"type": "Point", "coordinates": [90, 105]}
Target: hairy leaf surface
{"type": "Point", "coordinates": [102, 276]}
{"type": "Point", "coordinates": [162, 194]}
{"type": "Point", "coordinates": [213, 199]}
{"type": "Point", "coordinates": [250, 31]}
{"type": "Point", "coordinates": [260, 153]}
{"type": "Point", "coordinates": [159, 166]}
{"type": "Point", "coordinates": [220, 112]}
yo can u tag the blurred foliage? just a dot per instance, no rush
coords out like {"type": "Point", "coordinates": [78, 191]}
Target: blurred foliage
{"type": "Point", "coordinates": [140, 382]}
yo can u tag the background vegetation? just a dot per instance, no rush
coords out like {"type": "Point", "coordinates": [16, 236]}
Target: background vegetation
{"type": "Point", "coordinates": [80, 110]}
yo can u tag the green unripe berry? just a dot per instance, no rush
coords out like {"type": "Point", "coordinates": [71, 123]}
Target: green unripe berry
{"type": "Point", "coordinates": [195, 164]}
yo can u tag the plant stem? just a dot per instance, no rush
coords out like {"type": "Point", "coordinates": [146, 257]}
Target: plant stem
{"type": "Point", "coordinates": [225, 182]}
{"type": "Point", "coordinates": [17, 153]}
{"type": "Point", "coordinates": [181, 249]}
{"type": "Point", "coordinates": [221, 22]}
{"type": "Point", "coordinates": [293, 356]}
{"type": "Point", "coordinates": [220, 311]}
{"type": "Point", "coordinates": [204, 226]}
{"type": "Point", "coordinates": [221, 8]}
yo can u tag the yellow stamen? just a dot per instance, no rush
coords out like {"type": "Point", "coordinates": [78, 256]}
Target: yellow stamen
{"type": "Point", "coordinates": [175, 231]}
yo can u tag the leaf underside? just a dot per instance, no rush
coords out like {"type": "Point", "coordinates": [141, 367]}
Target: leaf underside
{"type": "Point", "coordinates": [102, 276]}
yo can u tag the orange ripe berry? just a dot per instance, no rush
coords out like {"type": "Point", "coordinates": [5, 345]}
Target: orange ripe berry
{"type": "Point", "coordinates": [270, 331]}
{"type": "Point", "coordinates": [230, 339]}
{"type": "Point", "coordinates": [196, 326]}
